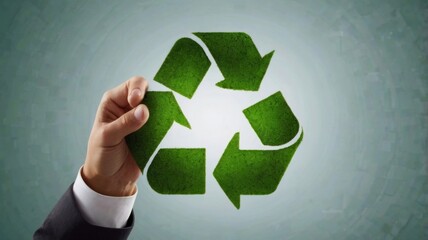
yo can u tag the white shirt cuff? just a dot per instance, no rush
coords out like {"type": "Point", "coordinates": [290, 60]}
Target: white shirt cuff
{"type": "Point", "coordinates": [102, 210]}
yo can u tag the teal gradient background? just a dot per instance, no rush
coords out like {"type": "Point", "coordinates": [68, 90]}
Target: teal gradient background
{"type": "Point", "coordinates": [355, 74]}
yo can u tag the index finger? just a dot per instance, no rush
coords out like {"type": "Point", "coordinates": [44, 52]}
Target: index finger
{"type": "Point", "coordinates": [129, 93]}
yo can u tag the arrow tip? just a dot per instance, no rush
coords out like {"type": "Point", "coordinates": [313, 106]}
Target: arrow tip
{"type": "Point", "coordinates": [266, 60]}
{"type": "Point", "coordinates": [224, 176]}
{"type": "Point", "coordinates": [230, 191]}
{"type": "Point", "coordinates": [182, 120]}
{"type": "Point", "coordinates": [236, 200]}
{"type": "Point", "coordinates": [176, 110]}
{"type": "Point", "coordinates": [253, 81]}
{"type": "Point", "coordinates": [234, 85]}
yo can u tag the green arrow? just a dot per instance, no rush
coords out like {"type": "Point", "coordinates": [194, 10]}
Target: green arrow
{"type": "Point", "coordinates": [238, 59]}
{"type": "Point", "coordinates": [273, 120]}
{"type": "Point", "coordinates": [178, 171]}
{"type": "Point", "coordinates": [251, 172]}
{"type": "Point", "coordinates": [184, 67]}
{"type": "Point", "coordinates": [164, 110]}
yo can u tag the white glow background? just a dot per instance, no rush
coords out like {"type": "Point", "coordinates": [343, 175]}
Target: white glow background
{"type": "Point", "coordinates": [355, 75]}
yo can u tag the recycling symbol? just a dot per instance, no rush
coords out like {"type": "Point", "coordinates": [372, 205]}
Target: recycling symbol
{"type": "Point", "coordinates": [238, 171]}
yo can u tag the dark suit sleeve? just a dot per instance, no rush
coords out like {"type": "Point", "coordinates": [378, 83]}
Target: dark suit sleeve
{"type": "Point", "coordinates": [66, 222]}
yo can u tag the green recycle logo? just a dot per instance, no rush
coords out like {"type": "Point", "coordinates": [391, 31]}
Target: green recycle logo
{"type": "Point", "coordinates": [239, 172]}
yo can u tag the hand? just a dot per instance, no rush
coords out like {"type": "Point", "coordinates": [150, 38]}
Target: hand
{"type": "Point", "coordinates": [109, 167]}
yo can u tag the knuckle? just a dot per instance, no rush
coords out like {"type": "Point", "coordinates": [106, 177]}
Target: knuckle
{"type": "Point", "coordinates": [125, 121]}
{"type": "Point", "coordinates": [104, 103]}
{"type": "Point", "coordinates": [106, 96]}
{"type": "Point", "coordinates": [103, 133]}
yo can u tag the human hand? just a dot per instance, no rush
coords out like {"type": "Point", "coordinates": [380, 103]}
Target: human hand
{"type": "Point", "coordinates": [109, 167]}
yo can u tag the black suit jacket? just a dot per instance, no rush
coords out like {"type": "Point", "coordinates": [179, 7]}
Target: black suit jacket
{"type": "Point", "coordinates": [66, 222]}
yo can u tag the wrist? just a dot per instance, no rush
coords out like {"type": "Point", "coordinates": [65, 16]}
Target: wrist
{"type": "Point", "coordinates": [107, 185]}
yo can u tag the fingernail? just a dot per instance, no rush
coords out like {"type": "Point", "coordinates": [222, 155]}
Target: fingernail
{"type": "Point", "coordinates": [135, 93]}
{"type": "Point", "coordinates": [139, 113]}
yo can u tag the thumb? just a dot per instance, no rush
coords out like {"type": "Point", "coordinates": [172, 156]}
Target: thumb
{"type": "Point", "coordinates": [128, 123]}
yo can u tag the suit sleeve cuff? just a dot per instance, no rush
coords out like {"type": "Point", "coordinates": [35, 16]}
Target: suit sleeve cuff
{"type": "Point", "coordinates": [102, 210]}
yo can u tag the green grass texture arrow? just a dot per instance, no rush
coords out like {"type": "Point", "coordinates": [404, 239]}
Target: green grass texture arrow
{"type": "Point", "coordinates": [164, 111]}
{"type": "Point", "coordinates": [258, 172]}
{"type": "Point", "coordinates": [178, 171]}
{"type": "Point", "coordinates": [238, 59]}
{"type": "Point", "coordinates": [184, 67]}
{"type": "Point", "coordinates": [251, 172]}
